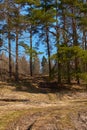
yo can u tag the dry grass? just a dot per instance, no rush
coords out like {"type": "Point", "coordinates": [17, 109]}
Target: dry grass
{"type": "Point", "coordinates": [17, 100]}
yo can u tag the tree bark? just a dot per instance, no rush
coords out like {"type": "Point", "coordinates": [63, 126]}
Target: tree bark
{"type": "Point", "coordinates": [9, 47]}
{"type": "Point", "coordinates": [68, 72]}
{"type": "Point", "coordinates": [75, 43]}
{"type": "Point", "coordinates": [48, 50]}
{"type": "Point", "coordinates": [31, 73]}
{"type": "Point", "coordinates": [16, 66]}
{"type": "Point", "coordinates": [57, 42]}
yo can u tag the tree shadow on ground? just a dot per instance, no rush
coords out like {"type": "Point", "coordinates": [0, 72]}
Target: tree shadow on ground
{"type": "Point", "coordinates": [43, 85]}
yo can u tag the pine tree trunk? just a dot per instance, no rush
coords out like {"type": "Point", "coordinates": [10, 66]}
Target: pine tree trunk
{"type": "Point", "coordinates": [16, 67]}
{"type": "Point", "coordinates": [47, 41]}
{"type": "Point", "coordinates": [31, 73]}
{"type": "Point", "coordinates": [48, 50]}
{"type": "Point", "coordinates": [59, 72]}
{"type": "Point", "coordinates": [85, 47]}
{"type": "Point", "coordinates": [75, 43]}
{"type": "Point", "coordinates": [76, 70]}
{"type": "Point", "coordinates": [57, 42]}
{"type": "Point", "coordinates": [9, 47]}
{"type": "Point", "coordinates": [68, 72]}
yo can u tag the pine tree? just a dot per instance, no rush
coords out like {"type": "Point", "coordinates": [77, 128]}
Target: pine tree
{"type": "Point", "coordinates": [36, 66]}
{"type": "Point", "coordinates": [44, 65]}
{"type": "Point", "coordinates": [45, 22]}
{"type": "Point", "coordinates": [8, 7]}
{"type": "Point", "coordinates": [18, 28]}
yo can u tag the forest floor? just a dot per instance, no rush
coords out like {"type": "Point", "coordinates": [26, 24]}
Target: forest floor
{"type": "Point", "coordinates": [34, 106]}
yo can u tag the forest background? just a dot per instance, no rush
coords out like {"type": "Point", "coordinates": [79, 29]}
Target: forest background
{"type": "Point", "coordinates": [43, 37]}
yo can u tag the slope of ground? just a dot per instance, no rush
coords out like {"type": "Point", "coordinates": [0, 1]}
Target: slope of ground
{"type": "Point", "coordinates": [28, 107]}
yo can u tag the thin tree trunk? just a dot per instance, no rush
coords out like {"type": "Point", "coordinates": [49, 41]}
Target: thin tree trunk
{"type": "Point", "coordinates": [47, 41]}
{"type": "Point", "coordinates": [57, 42]}
{"type": "Point", "coordinates": [85, 40]}
{"type": "Point", "coordinates": [75, 43]}
{"type": "Point", "coordinates": [65, 42]}
{"type": "Point", "coordinates": [9, 44]}
{"type": "Point", "coordinates": [76, 69]}
{"type": "Point", "coordinates": [84, 45]}
{"type": "Point", "coordinates": [9, 47]}
{"type": "Point", "coordinates": [85, 37]}
{"type": "Point", "coordinates": [59, 72]}
{"type": "Point", "coordinates": [31, 73]}
{"type": "Point", "coordinates": [68, 72]}
{"type": "Point", "coordinates": [16, 67]}
{"type": "Point", "coordinates": [48, 50]}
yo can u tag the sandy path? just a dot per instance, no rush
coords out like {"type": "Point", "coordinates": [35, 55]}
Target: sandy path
{"type": "Point", "coordinates": [49, 115]}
